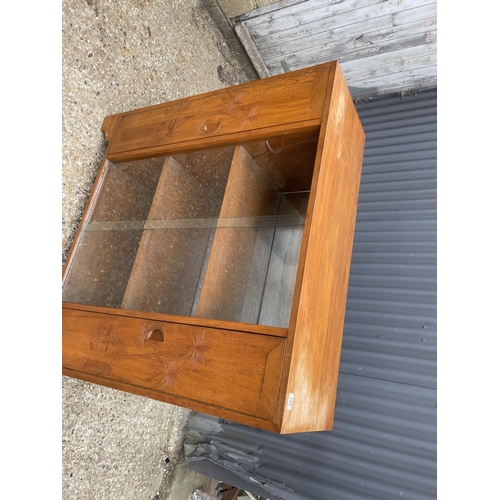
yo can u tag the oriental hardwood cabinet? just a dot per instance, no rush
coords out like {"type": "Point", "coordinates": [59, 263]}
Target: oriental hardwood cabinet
{"type": "Point", "coordinates": [211, 265]}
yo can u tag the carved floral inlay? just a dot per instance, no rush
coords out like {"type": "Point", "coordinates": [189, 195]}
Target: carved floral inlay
{"type": "Point", "coordinates": [193, 356]}
{"type": "Point", "coordinates": [232, 100]}
{"type": "Point", "coordinates": [167, 128]}
{"type": "Point", "coordinates": [104, 344]}
{"type": "Point", "coordinates": [250, 115]}
{"type": "Point", "coordinates": [105, 347]}
{"type": "Point", "coordinates": [230, 107]}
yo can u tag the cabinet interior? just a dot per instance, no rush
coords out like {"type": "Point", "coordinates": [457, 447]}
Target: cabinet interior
{"type": "Point", "coordinates": [214, 233]}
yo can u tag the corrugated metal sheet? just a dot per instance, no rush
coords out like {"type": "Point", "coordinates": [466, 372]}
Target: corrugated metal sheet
{"type": "Point", "coordinates": [384, 440]}
{"type": "Point", "coordinates": [384, 46]}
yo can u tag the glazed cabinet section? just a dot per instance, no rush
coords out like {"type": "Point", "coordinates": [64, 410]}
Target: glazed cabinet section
{"type": "Point", "coordinates": [212, 234]}
{"type": "Point", "coordinates": [206, 368]}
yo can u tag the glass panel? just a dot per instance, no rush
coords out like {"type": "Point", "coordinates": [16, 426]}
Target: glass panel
{"type": "Point", "coordinates": [101, 268]}
{"type": "Point", "coordinates": [253, 266]}
{"type": "Point", "coordinates": [107, 249]}
{"type": "Point", "coordinates": [167, 271]}
{"type": "Point", "coordinates": [213, 234]}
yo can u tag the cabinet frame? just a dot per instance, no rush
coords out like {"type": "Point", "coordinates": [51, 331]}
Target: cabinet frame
{"type": "Point", "coordinates": [299, 367]}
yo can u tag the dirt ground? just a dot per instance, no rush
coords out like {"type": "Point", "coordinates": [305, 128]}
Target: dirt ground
{"type": "Point", "coordinates": [119, 56]}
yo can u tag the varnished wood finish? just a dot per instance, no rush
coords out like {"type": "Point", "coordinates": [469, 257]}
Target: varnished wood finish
{"type": "Point", "coordinates": [287, 159]}
{"type": "Point", "coordinates": [273, 331]}
{"type": "Point", "coordinates": [294, 132]}
{"type": "Point", "coordinates": [191, 362]}
{"type": "Point", "coordinates": [101, 174]}
{"type": "Point", "coordinates": [318, 315]}
{"type": "Point", "coordinates": [259, 134]}
{"type": "Point", "coordinates": [190, 404]}
{"type": "Point", "coordinates": [297, 97]}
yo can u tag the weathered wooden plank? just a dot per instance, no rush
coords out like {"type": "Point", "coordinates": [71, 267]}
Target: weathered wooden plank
{"type": "Point", "coordinates": [308, 57]}
{"type": "Point", "coordinates": [266, 9]}
{"type": "Point", "coordinates": [410, 77]}
{"type": "Point", "coordinates": [314, 10]}
{"type": "Point", "coordinates": [388, 57]}
{"type": "Point", "coordinates": [321, 15]}
{"type": "Point", "coordinates": [252, 52]}
{"type": "Point", "coordinates": [341, 29]}
{"type": "Point", "coordinates": [401, 88]}
{"type": "Point", "coordinates": [421, 71]}
{"type": "Point", "coordinates": [390, 63]}
{"type": "Point", "coordinates": [370, 38]}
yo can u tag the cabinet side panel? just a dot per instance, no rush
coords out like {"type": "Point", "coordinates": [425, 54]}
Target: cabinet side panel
{"type": "Point", "coordinates": [318, 315]}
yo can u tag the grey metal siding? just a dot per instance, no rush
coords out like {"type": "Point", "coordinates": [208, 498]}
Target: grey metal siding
{"type": "Point", "coordinates": [383, 444]}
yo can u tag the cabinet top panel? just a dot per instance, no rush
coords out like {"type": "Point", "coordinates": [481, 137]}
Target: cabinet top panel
{"type": "Point", "coordinates": [263, 104]}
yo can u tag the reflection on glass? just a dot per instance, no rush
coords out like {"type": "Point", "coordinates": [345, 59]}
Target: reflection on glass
{"type": "Point", "coordinates": [213, 234]}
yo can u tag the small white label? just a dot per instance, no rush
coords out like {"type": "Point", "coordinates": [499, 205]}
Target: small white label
{"type": "Point", "coordinates": [290, 401]}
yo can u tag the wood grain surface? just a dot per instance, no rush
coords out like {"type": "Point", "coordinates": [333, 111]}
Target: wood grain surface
{"type": "Point", "coordinates": [272, 331]}
{"type": "Point", "coordinates": [313, 354]}
{"type": "Point", "coordinates": [255, 105]}
{"type": "Point", "coordinates": [220, 368]}
{"type": "Point", "coordinates": [298, 131]}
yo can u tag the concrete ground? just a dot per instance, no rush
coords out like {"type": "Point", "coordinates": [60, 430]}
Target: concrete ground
{"type": "Point", "coordinates": [119, 56]}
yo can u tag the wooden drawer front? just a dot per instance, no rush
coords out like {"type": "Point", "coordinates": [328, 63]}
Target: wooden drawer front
{"type": "Point", "coordinates": [234, 370]}
{"type": "Point", "coordinates": [264, 103]}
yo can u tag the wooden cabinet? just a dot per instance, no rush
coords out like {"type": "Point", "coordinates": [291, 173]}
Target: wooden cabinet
{"type": "Point", "coordinates": [211, 266]}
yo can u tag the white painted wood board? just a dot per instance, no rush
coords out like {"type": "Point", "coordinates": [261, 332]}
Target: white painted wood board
{"type": "Point", "coordinates": [383, 46]}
